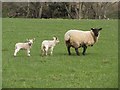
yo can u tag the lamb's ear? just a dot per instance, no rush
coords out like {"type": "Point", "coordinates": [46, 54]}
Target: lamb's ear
{"type": "Point", "coordinates": [56, 38]}
{"type": "Point", "coordinates": [27, 39]}
{"type": "Point", "coordinates": [100, 29]}
{"type": "Point", "coordinates": [53, 38]}
{"type": "Point", "coordinates": [33, 39]}
{"type": "Point", "coordinates": [92, 28]}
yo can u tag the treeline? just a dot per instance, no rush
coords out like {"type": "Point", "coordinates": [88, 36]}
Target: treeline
{"type": "Point", "coordinates": [71, 10]}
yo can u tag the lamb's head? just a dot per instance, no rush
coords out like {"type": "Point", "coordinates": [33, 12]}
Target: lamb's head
{"type": "Point", "coordinates": [56, 39]}
{"type": "Point", "coordinates": [30, 41]}
{"type": "Point", "coordinates": [96, 31]}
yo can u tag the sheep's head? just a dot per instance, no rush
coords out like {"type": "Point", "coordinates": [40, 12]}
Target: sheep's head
{"type": "Point", "coordinates": [56, 39]}
{"type": "Point", "coordinates": [96, 31]}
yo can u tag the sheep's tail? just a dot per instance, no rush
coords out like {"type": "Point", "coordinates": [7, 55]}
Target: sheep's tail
{"type": "Point", "coordinates": [67, 37]}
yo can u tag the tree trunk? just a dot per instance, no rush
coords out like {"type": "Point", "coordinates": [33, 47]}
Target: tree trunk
{"type": "Point", "coordinates": [80, 10]}
{"type": "Point", "coordinates": [69, 11]}
{"type": "Point", "coordinates": [28, 9]}
{"type": "Point", "coordinates": [40, 11]}
{"type": "Point", "coordinates": [77, 12]}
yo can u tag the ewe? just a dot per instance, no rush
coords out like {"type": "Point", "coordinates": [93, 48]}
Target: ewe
{"type": "Point", "coordinates": [48, 45]}
{"type": "Point", "coordinates": [78, 38]}
{"type": "Point", "coordinates": [25, 46]}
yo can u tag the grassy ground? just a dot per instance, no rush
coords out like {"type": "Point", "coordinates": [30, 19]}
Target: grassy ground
{"type": "Point", "coordinates": [98, 69]}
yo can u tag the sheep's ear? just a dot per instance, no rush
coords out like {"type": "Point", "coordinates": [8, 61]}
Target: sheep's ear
{"type": "Point", "coordinates": [100, 29]}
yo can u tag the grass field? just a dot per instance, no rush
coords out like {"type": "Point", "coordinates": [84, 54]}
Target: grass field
{"type": "Point", "coordinates": [98, 69]}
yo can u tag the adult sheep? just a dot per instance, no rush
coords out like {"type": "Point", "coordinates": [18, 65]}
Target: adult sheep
{"type": "Point", "coordinates": [78, 38]}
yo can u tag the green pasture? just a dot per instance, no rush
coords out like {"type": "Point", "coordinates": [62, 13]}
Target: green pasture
{"type": "Point", "coordinates": [98, 69]}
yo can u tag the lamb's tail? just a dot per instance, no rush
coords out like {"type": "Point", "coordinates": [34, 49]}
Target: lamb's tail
{"type": "Point", "coordinates": [43, 48]}
{"type": "Point", "coordinates": [15, 47]}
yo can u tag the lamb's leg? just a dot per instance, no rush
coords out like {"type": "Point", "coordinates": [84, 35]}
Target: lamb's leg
{"type": "Point", "coordinates": [46, 51]}
{"type": "Point", "coordinates": [68, 48]}
{"type": "Point", "coordinates": [16, 50]}
{"type": "Point", "coordinates": [84, 49]}
{"type": "Point", "coordinates": [77, 52]}
{"type": "Point", "coordinates": [51, 51]}
{"type": "Point", "coordinates": [28, 52]}
{"type": "Point", "coordinates": [43, 52]}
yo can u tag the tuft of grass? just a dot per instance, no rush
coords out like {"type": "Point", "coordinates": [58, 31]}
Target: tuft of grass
{"type": "Point", "coordinates": [98, 69]}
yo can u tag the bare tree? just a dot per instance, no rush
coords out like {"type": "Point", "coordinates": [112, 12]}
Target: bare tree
{"type": "Point", "coordinates": [74, 10]}
{"type": "Point", "coordinates": [68, 9]}
{"type": "Point", "coordinates": [28, 9]}
{"type": "Point", "coordinates": [40, 9]}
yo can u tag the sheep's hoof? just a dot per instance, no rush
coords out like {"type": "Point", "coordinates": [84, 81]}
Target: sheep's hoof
{"type": "Point", "coordinates": [83, 54]}
{"type": "Point", "coordinates": [69, 53]}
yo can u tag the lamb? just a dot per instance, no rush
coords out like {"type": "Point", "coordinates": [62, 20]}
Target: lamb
{"type": "Point", "coordinates": [24, 46]}
{"type": "Point", "coordinates": [78, 38]}
{"type": "Point", "coordinates": [48, 46]}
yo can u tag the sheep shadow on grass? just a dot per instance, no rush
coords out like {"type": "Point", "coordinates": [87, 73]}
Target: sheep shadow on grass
{"type": "Point", "coordinates": [74, 54]}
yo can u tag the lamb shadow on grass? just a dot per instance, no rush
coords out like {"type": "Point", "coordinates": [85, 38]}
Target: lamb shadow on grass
{"type": "Point", "coordinates": [21, 57]}
{"type": "Point", "coordinates": [49, 57]}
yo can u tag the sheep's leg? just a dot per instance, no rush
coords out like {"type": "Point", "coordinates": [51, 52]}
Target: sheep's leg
{"type": "Point", "coordinates": [68, 48]}
{"type": "Point", "coordinates": [16, 51]}
{"type": "Point", "coordinates": [84, 49]}
{"type": "Point", "coordinates": [28, 52]}
{"type": "Point", "coordinates": [76, 49]}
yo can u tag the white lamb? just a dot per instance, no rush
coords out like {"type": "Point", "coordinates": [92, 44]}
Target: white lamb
{"type": "Point", "coordinates": [24, 46]}
{"type": "Point", "coordinates": [48, 46]}
{"type": "Point", "coordinates": [78, 38]}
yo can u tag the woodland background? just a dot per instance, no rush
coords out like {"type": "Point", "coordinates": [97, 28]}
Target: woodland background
{"type": "Point", "coordinates": [65, 10]}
